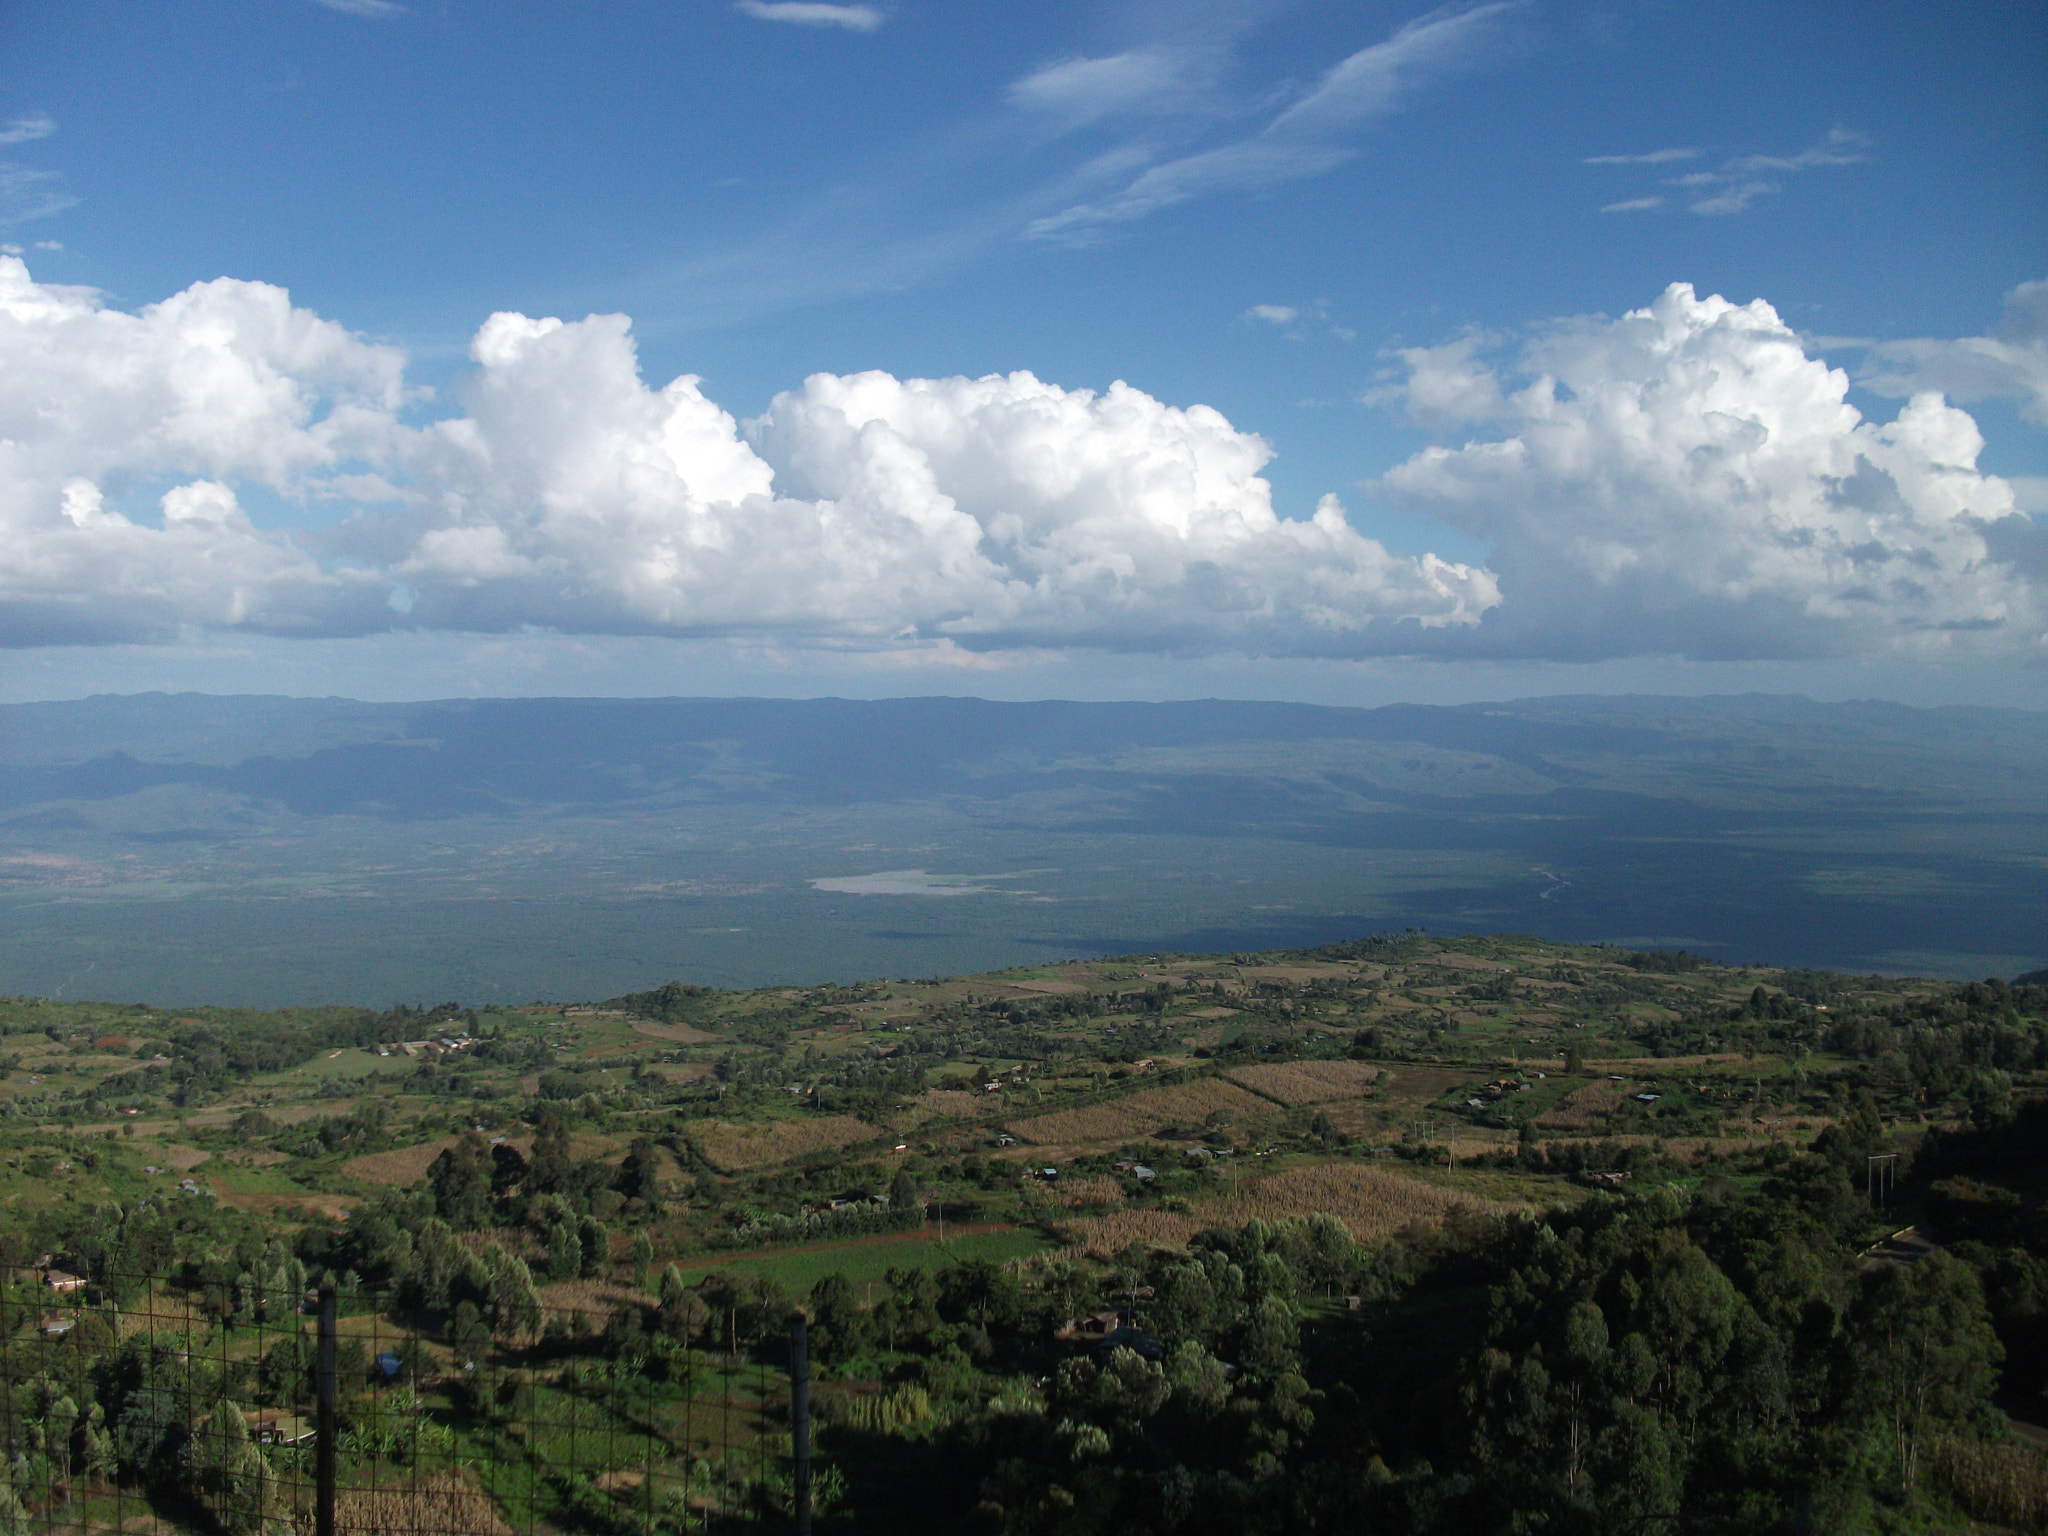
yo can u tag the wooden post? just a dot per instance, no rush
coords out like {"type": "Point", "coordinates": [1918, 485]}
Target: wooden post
{"type": "Point", "coordinates": [323, 1428]}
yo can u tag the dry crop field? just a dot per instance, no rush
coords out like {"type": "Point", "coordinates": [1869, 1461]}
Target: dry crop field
{"type": "Point", "coordinates": [1583, 1106]}
{"type": "Point", "coordinates": [1307, 1082]}
{"type": "Point", "coordinates": [1372, 1202]}
{"type": "Point", "coordinates": [954, 1104]}
{"type": "Point", "coordinates": [1133, 1118]}
{"type": "Point", "coordinates": [733, 1146]}
{"type": "Point", "coordinates": [444, 1502]}
{"type": "Point", "coordinates": [675, 1034]}
{"type": "Point", "coordinates": [402, 1167]}
{"type": "Point", "coordinates": [598, 1300]}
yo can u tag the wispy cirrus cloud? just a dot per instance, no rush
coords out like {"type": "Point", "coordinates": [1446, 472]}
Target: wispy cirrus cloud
{"type": "Point", "coordinates": [1314, 134]}
{"type": "Point", "coordinates": [808, 13]}
{"type": "Point", "coordinates": [377, 10]}
{"type": "Point", "coordinates": [28, 127]}
{"type": "Point", "coordinates": [1074, 93]}
{"type": "Point", "coordinates": [1654, 157]}
{"type": "Point", "coordinates": [26, 193]}
{"type": "Point", "coordinates": [1737, 184]}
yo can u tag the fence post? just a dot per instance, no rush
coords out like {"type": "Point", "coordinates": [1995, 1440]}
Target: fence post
{"type": "Point", "coordinates": [800, 1420]}
{"type": "Point", "coordinates": [323, 1425]}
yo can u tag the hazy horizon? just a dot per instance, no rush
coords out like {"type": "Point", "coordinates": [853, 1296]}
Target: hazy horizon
{"type": "Point", "coordinates": [199, 848]}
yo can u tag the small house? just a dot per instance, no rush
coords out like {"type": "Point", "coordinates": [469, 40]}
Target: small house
{"type": "Point", "coordinates": [56, 1327]}
{"type": "Point", "coordinates": [60, 1280]}
{"type": "Point", "coordinates": [277, 1426]}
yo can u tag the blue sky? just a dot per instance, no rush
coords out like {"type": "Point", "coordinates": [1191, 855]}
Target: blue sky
{"type": "Point", "coordinates": [1307, 217]}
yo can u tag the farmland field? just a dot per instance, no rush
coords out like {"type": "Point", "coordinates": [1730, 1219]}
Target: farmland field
{"type": "Point", "coordinates": [737, 1145]}
{"type": "Point", "coordinates": [865, 1260]}
{"type": "Point", "coordinates": [593, 1290]}
{"type": "Point", "coordinates": [1307, 1082]}
{"type": "Point", "coordinates": [1372, 1202]}
{"type": "Point", "coordinates": [1141, 1114]}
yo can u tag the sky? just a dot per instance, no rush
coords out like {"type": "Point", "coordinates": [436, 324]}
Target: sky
{"type": "Point", "coordinates": [1345, 352]}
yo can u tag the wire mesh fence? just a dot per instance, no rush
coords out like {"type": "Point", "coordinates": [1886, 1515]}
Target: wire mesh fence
{"type": "Point", "coordinates": [158, 1403]}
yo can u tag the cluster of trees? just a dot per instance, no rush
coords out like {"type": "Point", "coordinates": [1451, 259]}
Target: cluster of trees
{"type": "Point", "coordinates": [1720, 1361]}
{"type": "Point", "coordinates": [476, 1183]}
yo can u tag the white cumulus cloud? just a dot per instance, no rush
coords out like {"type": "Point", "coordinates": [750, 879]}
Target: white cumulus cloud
{"type": "Point", "coordinates": [1684, 479]}
{"type": "Point", "coordinates": [863, 510]}
{"type": "Point", "coordinates": [1687, 480]}
{"type": "Point", "coordinates": [223, 382]}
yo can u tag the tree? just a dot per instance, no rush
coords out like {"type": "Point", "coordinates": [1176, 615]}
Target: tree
{"type": "Point", "coordinates": [1272, 1339]}
{"type": "Point", "coordinates": [1688, 1313]}
{"type": "Point", "coordinates": [982, 1287]}
{"type": "Point", "coordinates": [1185, 1308]}
{"type": "Point", "coordinates": [640, 1172]}
{"type": "Point", "coordinates": [285, 1373]}
{"type": "Point", "coordinates": [59, 1420]}
{"type": "Point", "coordinates": [596, 1244]}
{"type": "Point", "coordinates": [461, 1177]}
{"type": "Point", "coordinates": [552, 1165]}
{"type": "Point", "coordinates": [513, 1301]}
{"type": "Point", "coordinates": [100, 1460]}
{"type": "Point", "coordinates": [903, 1190]}
{"type": "Point", "coordinates": [508, 1170]}
{"type": "Point", "coordinates": [911, 1309]}
{"type": "Point", "coordinates": [230, 1476]}
{"type": "Point", "coordinates": [1198, 1376]}
{"type": "Point", "coordinates": [565, 1252]}
{"type": "Point", "coordinates": [1924, 1351]}
{"type": "Point", "coordinates": [683, 1312]}
{"type": "Point", "coordinates": [1581, 1363]}
{"type": "Point", "coordinates": [840, 1320]}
